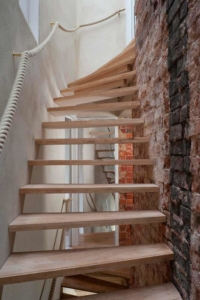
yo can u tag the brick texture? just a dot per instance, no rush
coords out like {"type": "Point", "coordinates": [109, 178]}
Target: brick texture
{"type": "Point", "coordinates": [180, 146]}
{"type": "Point", "coordinates": [153, 81]}
{"type": "Point", "coordinates": [168, 76]}
{"type": "Point", "coordinates": [125, 176]}
{"type": "Point", "coordinates": [193, 65]}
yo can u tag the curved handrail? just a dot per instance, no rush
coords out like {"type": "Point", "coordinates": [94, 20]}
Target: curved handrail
{"type": "Point", "coordinates": [11, 106]}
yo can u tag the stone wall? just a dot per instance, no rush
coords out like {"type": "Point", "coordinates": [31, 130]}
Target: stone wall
{"type": "Point", "coordinates": [193, 65]}
{"type": "Point", "coordinates": [168, 45]}
{"type": "Point", "coordinates": [180, 145]}
{"type": "Point", "coordinates": [153, 81]}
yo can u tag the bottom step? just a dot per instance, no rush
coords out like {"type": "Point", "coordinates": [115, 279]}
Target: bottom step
{"type": "Point", "coordinates": [159, 292]}
{"type": "Point", "coordinates": [31, 266]}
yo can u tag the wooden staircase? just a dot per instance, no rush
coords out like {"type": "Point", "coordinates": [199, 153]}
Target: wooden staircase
{"type": "Point", "coordinates": [112, 81]}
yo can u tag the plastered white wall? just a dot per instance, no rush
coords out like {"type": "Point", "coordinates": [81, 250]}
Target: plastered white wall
{"type": "Point", "coordinates": [97, 44]}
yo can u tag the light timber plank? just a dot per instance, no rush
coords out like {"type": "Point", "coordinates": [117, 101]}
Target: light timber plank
{"type": "Point", "coordinates": [96, 88]}
{"type": "Point", "coordinates": [31, 266]}
{"type": "Point", "coordinates": [89, 284]}
{"type": "Point", "coordinates": [77, 141]}
{"type": "Point", "coordinates": [99, 162]}
{"type": "Point", "coordinates": [77, 100]}
{"type": "Point", "coordinates": [83, 80]}
{"type": "Point", "coordinates": [66, 110]}
{"type": "Point", "coordinates": [127, 75]}
{"type": "Point", "coordinates": [165, 291]}
{"type": "Point", "coordinates": [93, 123]}
{"type": "Point", "coordinates": [28, 222]}
{"type": "Point", "coordinates": [87, 188]}
{"type": "Point", "coordinates": [127, 60]}
{"type": "Point", "coordinates": [118, 92]}
{"type": "Point", "coordinates": [83, 98]}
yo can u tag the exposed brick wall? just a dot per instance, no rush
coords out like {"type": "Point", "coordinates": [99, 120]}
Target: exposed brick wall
{"type": "Point", "coordinates": [153, 82]}
{"type": "Point", "coordinates": [168, 75]}
{"type": "Point", "coordinates": [125, 176]}
{"type": "Point", "coordinates": [180, 145]}
{"type": "Point", "coordinates": [193, 65]}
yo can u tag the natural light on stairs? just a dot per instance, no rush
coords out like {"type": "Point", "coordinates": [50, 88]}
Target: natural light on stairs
{"type": "Point", "coordinates": [99, 150]}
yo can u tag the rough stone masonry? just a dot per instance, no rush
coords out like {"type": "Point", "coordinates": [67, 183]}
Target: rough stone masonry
{"type": "Point", "coordinates": [180, 145]}
{"type": "Point", "coordinates": [168, 77]}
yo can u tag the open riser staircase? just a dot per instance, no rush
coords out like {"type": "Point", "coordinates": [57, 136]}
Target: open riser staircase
{"type": "Point", "coordinates": [104, 91]}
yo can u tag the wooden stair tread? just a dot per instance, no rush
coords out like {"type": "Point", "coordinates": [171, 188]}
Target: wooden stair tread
{"type": "Point", "coordinates": [120, 92]}
{"type": "Point", "coordinates": [92, 123]}
{"type": "Point", "coordinates": [99, 162]}
{"type": "Point", "coordinates": [66, 110]}
{"type": "Point", "coordinates": [89, 284]}
{"type": "Point", "coordinates": [127, 75]}
{"type": "Point", "coordinates": [105, 71]}
{"type": "Point", "coordinates": [165, 291]}
{"type": "Point", "coordinates": [31, 266]}
{"type": "Point", "coordinates": [86, 188]}
{"type": "Point", "coordinates": [75, 220]}
{"type": "Point", "coordinates": [96, 88]}
{"type": "Point", "coordinates": [81, 141]}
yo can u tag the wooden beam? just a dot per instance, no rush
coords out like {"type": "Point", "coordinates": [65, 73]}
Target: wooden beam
{"type": "Point", "coordinates": [92, 141]}
{"type": "Point", "coordinates": [92, 123]}
{"type": "Point", "coordinates": [32, 266]}
{"type": "Point", "coordinates": [99, 162]}
{"type": "Point", "coordinates": [87, 188]}
{"type": "Point", "coordinates": [70, 110]}
{"type": "Point", "coordinates": [29, 222]}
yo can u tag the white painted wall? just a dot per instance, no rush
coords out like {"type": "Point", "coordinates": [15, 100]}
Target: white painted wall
{"type": "Point", "coordinates": [98, 44]}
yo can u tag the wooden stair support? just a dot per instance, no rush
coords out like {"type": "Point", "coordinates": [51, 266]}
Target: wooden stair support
{"type": "Point", "coordinates": [77, 141]}
{"type": "Point", "coordinates": [87, 188]}
{"type": "Point", "coordinates": [92, 123]}
{"type": "Point", "coordinates": [89, 284]}
{"type": "Point", "coordinates": [64, 110]}
{"type": "Point", "coordinates": [165, 291]}
{"type": "Point", "coordinates": [31, 266]}
{"type": "Point", "coordinates": [98, 162]}
{"type": "Point", "coordinates": [123, 76]}
{"type": "Point", "coordinates": [27, 222]}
